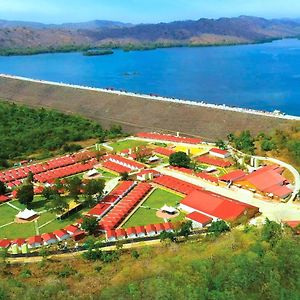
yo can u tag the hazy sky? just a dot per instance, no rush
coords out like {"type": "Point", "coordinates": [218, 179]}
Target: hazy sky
{"type": "Point", "coordinates": [136, 11]}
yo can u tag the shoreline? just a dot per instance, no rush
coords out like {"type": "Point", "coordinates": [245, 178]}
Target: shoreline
{"type": "Point", "coordinates": [158, 98]}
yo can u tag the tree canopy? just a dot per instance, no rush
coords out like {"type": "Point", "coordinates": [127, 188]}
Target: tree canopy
{"type": "Point", "coordinates": [180, 159]}
{"type": "Point", "coordinates": [25, 194]}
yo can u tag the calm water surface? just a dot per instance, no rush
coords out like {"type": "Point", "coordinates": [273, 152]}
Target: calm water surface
{"type": "Point", "coordinates": [265, 76]}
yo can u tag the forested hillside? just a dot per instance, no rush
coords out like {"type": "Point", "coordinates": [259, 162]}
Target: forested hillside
{"type": "Point", "coordinates": [242, 264]}
{"type": "Point", "coordinates": [24, 131]}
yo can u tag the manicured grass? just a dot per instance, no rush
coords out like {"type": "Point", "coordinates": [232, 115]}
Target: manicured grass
{"type": "Point", "coordinates": [161, 197]}
{"type": "Point", "coordinates": [7, 214]}
{"type": "Point", "coordinates": [144, 216]}
{"type": "Point", "coordinates": [15, 230]}
{"type": "Point", "coordinates": [126, 144]}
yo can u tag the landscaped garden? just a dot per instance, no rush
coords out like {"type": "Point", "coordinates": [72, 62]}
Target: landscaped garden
{"type": "Point", "coordinates": [146, 214]}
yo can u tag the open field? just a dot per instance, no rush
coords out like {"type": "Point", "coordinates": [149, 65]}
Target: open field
{"type": "Point", "coordinates": [147, 213]}
{"type": "Point", "coordinates": [126, 144]}
{"type": "Point", "coordinates": [140, 114]}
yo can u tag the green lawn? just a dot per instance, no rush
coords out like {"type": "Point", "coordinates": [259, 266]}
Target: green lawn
{"type": "Point", "coordinates": [126, 144]}
{"type": "Point", "coordinates": [7, 214]}
{"type": "Point", "coordinates": [15, 230]}
{"type": "Point", "coordinates": [144, 216]}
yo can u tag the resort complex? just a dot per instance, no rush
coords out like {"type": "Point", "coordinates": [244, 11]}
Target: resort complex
{"type": "Point", "coordinates": [154, 183]}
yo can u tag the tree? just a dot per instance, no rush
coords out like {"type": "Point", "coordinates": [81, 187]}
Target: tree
{"type": "Point", "coordinates": [49, 192]}
{"type": "Point", "coordinates": [271, 232]}
{"type": "Point", "coordinates": [2, 188]}
{"type": "Point", "coordinates": [267, 145]}
{"type": "Point", "coordinates": [124, 176]}
{"type": "Point", "coordinates": [25, 194]}
{"type": "Point", "coordinates": [90, 224]}
{"type": "Point", "coordinates": [91, 188]}
{"type": "Point", "coordinates": [221, 144]}
{"type": "Point", "coordinates": [179, 159]}
{"type": "Point", "coordinates": [167, 236]}
{"type": "Point", "coordinates": [30, 178]}
{"type": "Point", "coordinates": [218, 227]}
{"type": "Point", "coordinates": [185, 229]}
{"type": "Point", "coordinates": [73, 185]}
{"type": "Point", "coordinates": [57, 203]}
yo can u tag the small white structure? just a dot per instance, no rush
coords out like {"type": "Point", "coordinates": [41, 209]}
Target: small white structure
{"type": "Point", "coordinates": [131, 233]}
{"type": "Point", "coordinates": [92, 173]}
{"type": "Point", "coordinates": [26, 214]}
{"type": "Point", "coordinates": [219, 153]}
{"type": "Point", "coordinates": [49, 239]}
{"type": "Point", "coordinates": [169, 210]}
{"type": "Point", "coordinates": [153, 159]}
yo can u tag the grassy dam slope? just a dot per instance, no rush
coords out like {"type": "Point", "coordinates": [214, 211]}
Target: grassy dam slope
{"type": "Point", "coordinates": [136, 114]}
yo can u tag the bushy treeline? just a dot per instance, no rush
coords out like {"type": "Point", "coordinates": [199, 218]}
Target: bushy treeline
{"type": "Point", "coordinates": [25, 130]}
{"type": "Point", "coordinates": [284, 142]}
{"type": "Point", "coordinates": [43, 49]}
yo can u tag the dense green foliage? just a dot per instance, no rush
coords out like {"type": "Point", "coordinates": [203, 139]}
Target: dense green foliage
{"type": "Point", "coordinates": [180, 159]}
{"type": "Point", "coordinates": [98, 52]}
{"type": "Point", "coordinates": [43, 49]}
{"type": "Point", "coordinates": [90, 224]}
{"type": "Point", "coordinates": [243, 142]}
{"type": "Point", "coordinates": [24, 130]}
{"type": "Point", "coordinates": [25, 194]}
{"type": "Point", "coordinates": [2, 188]}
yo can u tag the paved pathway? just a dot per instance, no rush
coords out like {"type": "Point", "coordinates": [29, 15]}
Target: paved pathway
{"type": "Point", "coordinates": [13, 206]}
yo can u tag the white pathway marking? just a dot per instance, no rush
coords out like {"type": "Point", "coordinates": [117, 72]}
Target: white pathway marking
{"type": "Point", "coordinates": [47, 223]}
{"type": "Point", "coordinates": [6, 224]}
{"type": "Point", "coordinates": [36, 227]}
{"type": "Point", "coordinates": [13, 206]}
{"type": "Point", "coordinates": [158, 98]}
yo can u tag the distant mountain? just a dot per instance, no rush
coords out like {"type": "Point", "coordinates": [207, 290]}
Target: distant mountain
{"type": "Point", "coordinates": [95, 24]}
{"type": "Point", "coordinates": [221, 31]}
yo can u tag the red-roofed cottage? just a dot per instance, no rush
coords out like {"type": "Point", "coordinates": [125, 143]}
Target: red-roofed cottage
{"type": "Point", "coordinates": [199, 220]}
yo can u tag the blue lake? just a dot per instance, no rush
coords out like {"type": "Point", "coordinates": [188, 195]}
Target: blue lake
{"type": "Point", "coordinates": [264, 76]}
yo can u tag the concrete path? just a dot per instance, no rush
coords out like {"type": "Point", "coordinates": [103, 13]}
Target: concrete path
{"type": "Point", "coordinates": [13, 206]}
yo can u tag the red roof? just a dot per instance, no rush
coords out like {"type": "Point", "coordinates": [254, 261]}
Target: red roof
{"type": "Point", "coordinates": [116, 167]}
{"type": "Point", "coordinates": [150, 228]}
{"type": "Point", "coordinates": [140, 229]}
{"type": "Point", "coordinates": [19, 242]}
{"type": "Point", "coordinates": [110, 233]}
{"type": "Point", "coordinates": [122, 160]}
{"type": "Point", "coordinates": [219, 151]}
{"type": "Point", "coordinates": [216, 205]}
{"type": "Point", "coordinates": [120, 232]}
{"type": "Point", "coordinates": [3, 198]}
{"type": "Point", "coordinates": [130, 231]}
{"type": "Point", "coordinates": [4, 243]}
{"type": "Point", "coordinates": [99, 209]}
{"type": "Point", "coordinates": [214, 161]}
{"type": "Point", "coordinates": [60, 233]}
{"type": "Point", "coordinates": [198, 217]}
{"type": "Point", "coordinates": [175, 184]}
{"type": "Point", "coordinates": [148, 171]}
{"type": "Point", "coordinates": [71, 228]}
{"type": "Point", "coordinates": [292, 224]}
{"type": "Point", "coordinates": [168, 138]}
{"type": "Point", "coordinates": [34, 239]}
{"type": "Point", "coordinates": [268, 179]}
{"type": "Point", "coordinates": [48, 236]}
{"type": "Point", "coordinates": [164, 151]}
{"type": "Point", "coordinates": [168, 226]}
{"type": "Point", "coordinates": [233, 176]}
{"type": "Point", "coordinates": [207, 177]}
{"type": "Point", "coordinates": [159, 227]}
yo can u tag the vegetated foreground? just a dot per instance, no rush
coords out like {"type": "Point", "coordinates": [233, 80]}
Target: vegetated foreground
{"type": "Point", "coordinates": [249, 264]}
{"type": "Point", "coordinates": [136, 114]}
